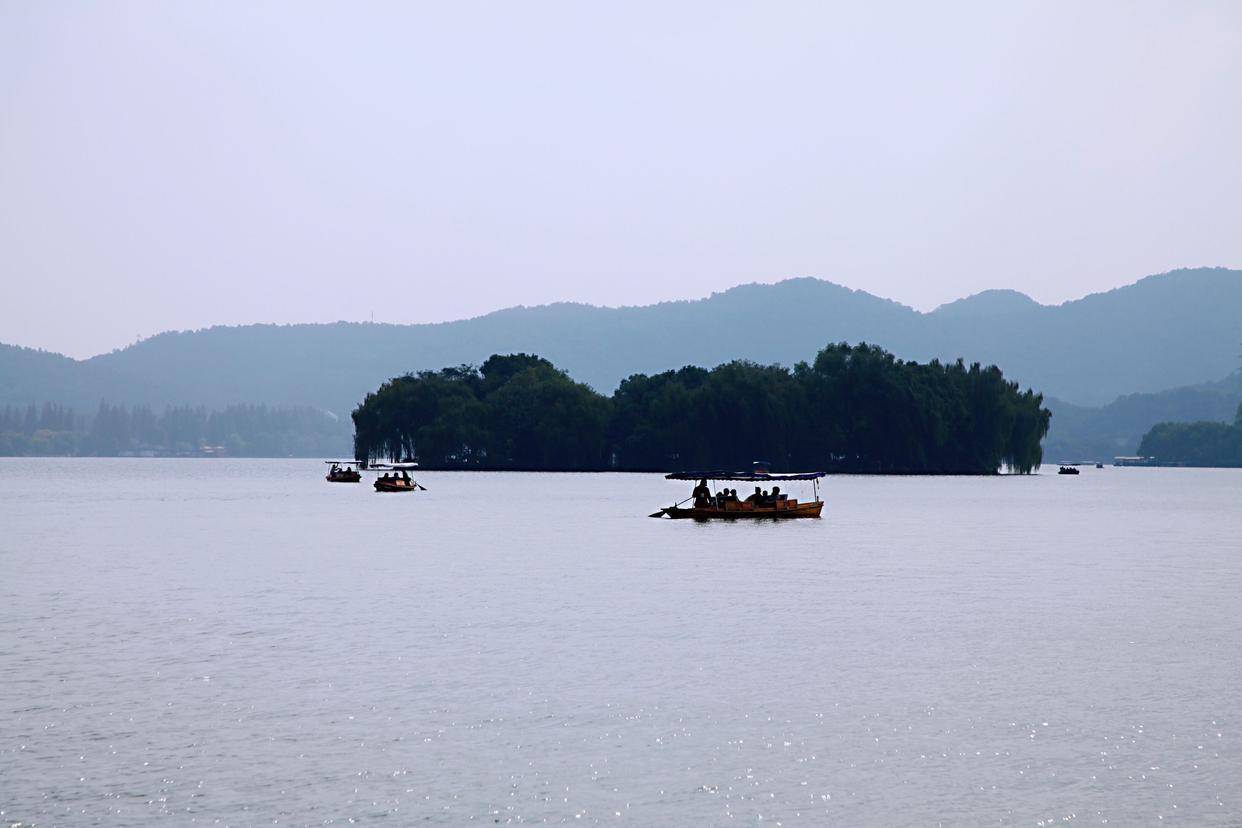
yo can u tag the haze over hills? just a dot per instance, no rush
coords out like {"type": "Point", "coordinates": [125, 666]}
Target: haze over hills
{"type": "Point", "coordinates": [1175, 329]}
{"type": "Point", "coordinates": [1083, 433]}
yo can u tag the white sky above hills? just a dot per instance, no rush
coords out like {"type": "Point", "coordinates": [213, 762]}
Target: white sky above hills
{"type": "Point", "coordinates": [178, 165]}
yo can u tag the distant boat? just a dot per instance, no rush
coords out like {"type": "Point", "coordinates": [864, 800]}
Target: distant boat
{"type": "Point", "coordinates": [1099, 465]}
{"type": "Point", "coordinates": [342, 472]}
{"type": "Point", "coordinates": [1068, 470]}
{"type": "Point", "coordinates": [781, 507]}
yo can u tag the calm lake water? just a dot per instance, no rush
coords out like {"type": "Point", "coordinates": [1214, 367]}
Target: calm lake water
{"type": "Point", "coordinates": [239, 642]}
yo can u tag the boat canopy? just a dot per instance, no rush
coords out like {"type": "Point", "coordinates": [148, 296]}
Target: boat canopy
{"type": "Point", "coordinates": [757, 477]}
{"type": "Point", "coordinates": [342, 462]}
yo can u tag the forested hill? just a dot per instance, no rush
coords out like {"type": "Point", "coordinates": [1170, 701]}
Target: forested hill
{"type": "Point", "coordinates": [1174, 329]}
{"type": "Point", "coordinates": [1101, 433]}
{"type": "Point", "coordinates": [1196, 444]}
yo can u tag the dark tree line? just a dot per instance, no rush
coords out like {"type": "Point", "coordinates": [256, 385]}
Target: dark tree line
{"type": "Point", "coordinates": [1195, 444]}
{"type": "Point", "coordinates": [32, 418]}
{"type": "Point", "coordinates": [854, 409]}
{"type": "Point", "coordinates": [238, 431]}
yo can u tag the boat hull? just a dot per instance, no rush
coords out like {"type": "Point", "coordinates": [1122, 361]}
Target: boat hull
{"type": "Point", "coordinates": [388, 486]}
{"type": "Point", "coordinates": [780, 512]}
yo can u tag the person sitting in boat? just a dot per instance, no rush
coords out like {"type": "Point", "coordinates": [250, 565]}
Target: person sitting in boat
{"type": "Point", "coordinates": [776, 494]}
{"type": "Point", "coordinates": [757, 497]}
{"type": "Point", "coordinates": [385, 477]}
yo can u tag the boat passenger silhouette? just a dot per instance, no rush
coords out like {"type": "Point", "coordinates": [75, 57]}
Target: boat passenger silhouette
{"type": "Point", "coordinates": [702, 494]}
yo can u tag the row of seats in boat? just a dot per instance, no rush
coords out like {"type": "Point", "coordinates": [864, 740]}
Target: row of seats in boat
{"type": "Point", "coordinates": [399, 478]}
{"type": "Point", "coordinates": [728, 500]}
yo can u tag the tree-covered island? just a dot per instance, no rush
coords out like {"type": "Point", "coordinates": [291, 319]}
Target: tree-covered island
{"type": "Point", "coordinates": [854, 409]}
{"type": "Point", "coordinates": [1195, 444]}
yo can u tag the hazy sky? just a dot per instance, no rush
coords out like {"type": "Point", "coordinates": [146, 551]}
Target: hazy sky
{"type": "Point", "coordinates": [181, 164]}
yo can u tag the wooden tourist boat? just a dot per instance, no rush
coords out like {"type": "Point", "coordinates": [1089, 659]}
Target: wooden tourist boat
{"type": "Point", "coordinates": [1067, 470]}
{"type": "Point", "coordinates": [395, 484]}
{"type": "Point", "coordinates": [715, 507]}
{"type": "Point", "coordinates": [398, 482]}
{"type": "Point", "coordinates": [342, 472]}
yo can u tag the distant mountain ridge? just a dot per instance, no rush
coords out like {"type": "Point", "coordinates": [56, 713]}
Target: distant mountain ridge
{"type": "Point", "coordinates": [1169, 330]}
{"type": "Point", "coordinates": [987, 303]}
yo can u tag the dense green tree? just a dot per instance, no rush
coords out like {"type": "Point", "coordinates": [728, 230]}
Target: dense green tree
{"type": "Point", "coordinates": [515, 411]}
{"type": "Point", "coordinates": [855, 408]}
{"type": "Point", "coordinates": [1195, 444]}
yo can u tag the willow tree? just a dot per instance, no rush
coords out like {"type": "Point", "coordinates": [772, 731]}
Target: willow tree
{"type": "Point", "coordinates": [854, 408]}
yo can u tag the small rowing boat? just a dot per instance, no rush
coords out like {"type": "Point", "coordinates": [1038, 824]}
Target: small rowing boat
{"type": "Point", "coordinates": [395, 484]}
{"type": "Point", "coordinates": [400, 480]}
{"type": "Point", "coordinates": [342, 472]}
